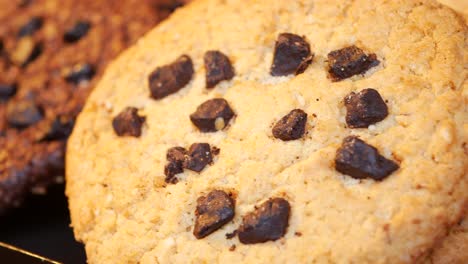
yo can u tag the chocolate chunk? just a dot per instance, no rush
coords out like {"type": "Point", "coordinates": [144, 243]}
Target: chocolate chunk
{"type": "Point", "coordinates": [80, 73]}
{"type": "Point", "coordinates": [198, 156]}
{"type": "Point", "coordinates": [291, 126]}
{"type": "Point", "coordinates": [175, 157]}
{"type": "Point", "coordinates": [26, 51]}
{"type": "Point", "coordinates": [176, 154]}
{"type": "Point", "coordinates": [212, 115]}
{"type": "Point", "coordinates": [171, 170]}
{"type": "Point", "coordinates": [24, 113]}
{"type": "Point", "coordinates": [57, 129]}
{"type": "Point", "coordinates": [213, 211]}
{"type": "Point", "coordinates": [292, 55]}
{"type": "Point", "coordinates": [169, 79]}
{"type": "Point", "coordinates": [7, 90]}
{"type": "Point", "coordinates": [364, 108]}
{"type": "Point", "coordinates": [360, 160]}
{"type": "Point", "coordinates": [79, 30]}
{"type": "Point", "coordinates": [218, 68]}
{"type": "Point", "coordinates": [268, 222]}
{"type": "Point", "coordinates": [349, 61]}
{"type": "Point", "coordinates": [31, 26]}
{"type": "Point", "coordinates": [128, 122]}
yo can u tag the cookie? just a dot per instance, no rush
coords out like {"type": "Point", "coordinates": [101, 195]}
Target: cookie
{"type": "Point", "coordinates": [353, 150]}
{"type": "Point", "coordinates": [51, 54]}
{"type": "Point", "coordinates": [454, 248]}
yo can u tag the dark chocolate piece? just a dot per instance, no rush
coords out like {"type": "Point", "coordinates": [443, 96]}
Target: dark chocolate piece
{"type": "Point", "coordinates": [212, 115]}
{"type": "Point", "coordinates": [268, 222]}
{"type": "Point", "coordinates": [7, 90]}
{"type": "Point", "coordinates": [291, 126]}
{"type": "Point", "coordinates": [79, 30]}
{"type": "Point", "coordinates": [198, 156]}
{"type": "Point", "coordinates": [218, 68]}
{"type": "Point", "coordinates": [169, 79]}
{"type": "Point", "coordinates": [80, 72]}
{"type": "Point", "coordinates": [176, 154]}
{"type": "Point", "coordinates": [57, 129]}
{"type": "Point", "coordinates": [33, 25]}
{"type": "Point", "coordinates": [21, 114]}
{"type": "Point", "coordinates": [171, 169]}
{"type": "Point", "coordinates": [292, 55]}
{"type": "Point", "coordinates": [128, 123]}
{"type": "Point", "coordinates": [175, 157]}
{"type": "Point", "coordinates": [213, 211]}
{"type": "Point", "coordinates": [364, 108]}
{"type": "Point", "coordinates": [360, 160]}
{"type": "Point", "coordinates": [349, 61]}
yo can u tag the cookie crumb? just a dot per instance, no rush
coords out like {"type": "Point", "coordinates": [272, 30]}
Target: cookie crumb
{"type": "Point", "coordinates": [231, 235]}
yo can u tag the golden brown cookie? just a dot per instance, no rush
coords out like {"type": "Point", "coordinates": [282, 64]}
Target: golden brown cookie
{"type": "Point", "coordinates": [340, 137]}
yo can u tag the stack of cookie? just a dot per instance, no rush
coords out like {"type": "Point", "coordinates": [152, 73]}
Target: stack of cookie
{"type": "Point", "coordinates": [52, 52]}
{"type": "Point", "coordinates": [279, 132]}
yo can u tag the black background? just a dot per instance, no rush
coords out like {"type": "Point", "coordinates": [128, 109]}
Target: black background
{"type": "Point", "coordinates": [42, 226]}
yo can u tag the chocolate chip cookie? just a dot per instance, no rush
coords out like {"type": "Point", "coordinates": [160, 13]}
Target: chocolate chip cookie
{"type": "Point", "coordinates": [52, 52]}
{"type": "Point", "coordinates": [277, 132]}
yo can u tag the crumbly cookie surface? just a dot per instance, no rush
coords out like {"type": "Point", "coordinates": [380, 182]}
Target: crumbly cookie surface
{"type": "Point", "coordinates": [125, 212]}
{"type": "Point", "coordinates": [454, 248]}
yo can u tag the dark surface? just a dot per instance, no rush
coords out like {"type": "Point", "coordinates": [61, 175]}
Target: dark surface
{"type": "Point", "coordinates": [42, 227]}
{"type": "Point", "coordinates": [12, 255]}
